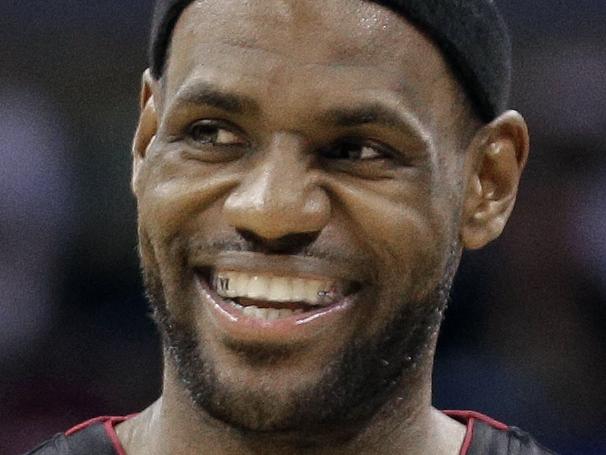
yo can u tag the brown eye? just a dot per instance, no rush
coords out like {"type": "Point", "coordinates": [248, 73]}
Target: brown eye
{"type": "Point", "coordinates": [213, 134]}
{"type": "Point", "coordinates": [353, 151]}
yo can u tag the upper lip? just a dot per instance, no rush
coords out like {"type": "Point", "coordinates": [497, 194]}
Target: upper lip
{"type": "Point", "coordinates": [279, 265]}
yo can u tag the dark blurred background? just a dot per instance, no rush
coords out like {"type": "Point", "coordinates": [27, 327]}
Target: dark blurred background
{"type": "Point", "coordinates": [524, 339]}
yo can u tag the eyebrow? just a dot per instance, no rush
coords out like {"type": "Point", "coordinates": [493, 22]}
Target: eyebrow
{"type": "Point", "coordinates": [376, 114]}
{"type": "Point", "coordinates": [204, 93]}
{"type": "Point", "coordinates": [209, 94]}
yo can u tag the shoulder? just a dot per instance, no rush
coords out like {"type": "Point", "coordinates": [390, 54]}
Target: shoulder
{"type": "Point", "coordinates": [486, 436]}
{"type": "Point", "coordinates": [93, 436]}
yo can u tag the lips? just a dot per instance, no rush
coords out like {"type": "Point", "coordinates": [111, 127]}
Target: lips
{"type": "Point", "coordinates": [255, 297]}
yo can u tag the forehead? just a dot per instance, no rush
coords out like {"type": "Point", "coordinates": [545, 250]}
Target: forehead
{"type": "Point", "coordinates": [345, 46]}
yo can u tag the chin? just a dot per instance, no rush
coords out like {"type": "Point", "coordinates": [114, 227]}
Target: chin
{"type": "Point", "coordinates": [263, 408]}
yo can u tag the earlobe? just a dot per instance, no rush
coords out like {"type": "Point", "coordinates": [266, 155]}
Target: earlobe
{"type": "Point", "coordinates": [147, 127]}
{"type": "Point", "coordinates": [500, 156]}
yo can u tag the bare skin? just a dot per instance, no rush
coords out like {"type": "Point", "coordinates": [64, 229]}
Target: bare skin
{"type": "Point", "coordinates": [335, 139]}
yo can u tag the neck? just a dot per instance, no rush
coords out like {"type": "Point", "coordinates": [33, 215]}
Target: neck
{"type": "Point", "coordinates": [406, 423]}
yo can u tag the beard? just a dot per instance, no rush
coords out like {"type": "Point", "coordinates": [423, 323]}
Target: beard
{"type": "Point", "coordinates": [354, 386]}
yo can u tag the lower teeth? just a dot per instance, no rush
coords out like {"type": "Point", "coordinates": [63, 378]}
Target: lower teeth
{"type": "Point", "coordinates": [267, 314]}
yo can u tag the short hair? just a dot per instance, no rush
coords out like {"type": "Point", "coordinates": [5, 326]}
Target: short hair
{"type": "Point", "coordinates": [471, 35]}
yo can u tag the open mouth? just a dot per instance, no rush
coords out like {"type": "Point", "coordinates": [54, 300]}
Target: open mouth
{"type": "Point", "coordinates": [270, 297]}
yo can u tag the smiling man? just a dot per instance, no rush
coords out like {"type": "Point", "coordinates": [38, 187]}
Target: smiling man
{"type": "Point", "coordinates": [307, 175]}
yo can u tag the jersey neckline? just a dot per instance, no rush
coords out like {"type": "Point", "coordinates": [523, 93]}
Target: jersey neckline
{"type": "Point", "coordinates": [468, 418]}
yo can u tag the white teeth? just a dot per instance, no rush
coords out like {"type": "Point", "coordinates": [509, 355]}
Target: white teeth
{"type": "Point", "coordinates": [271, 288]}
{"type": "Point", "coordinates": [226, 285]}
{"type": "Point", "coordinates": [250, 310]}
{"type": "Point", "coordinates": [280, 290]}
{"type": "Point", "coordinates": [258, 287]}
{"type": "Point", "coordinates": [312, 291]}
{"type": "Point", "coordinates": [273, 314]}
{"type": "Point", "coordinates": [298, 288]}
{"type": "Point", "coordinates": [267, 314]}
{"type": "Point", "coordinates": [284, 313]}
{"type": "Point", "coordinates": [239, 285]}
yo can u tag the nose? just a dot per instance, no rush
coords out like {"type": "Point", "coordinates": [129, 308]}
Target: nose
{"type": "Point", "coordinates": [278, 198]}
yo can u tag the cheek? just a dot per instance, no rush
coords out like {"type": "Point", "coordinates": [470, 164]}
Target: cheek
{"type": "Point", "coordinates": [173, 201]}
{"type": "Point", "coordinates": [406, 229]}
{"type": "Point", "coordinates": [175, 194]}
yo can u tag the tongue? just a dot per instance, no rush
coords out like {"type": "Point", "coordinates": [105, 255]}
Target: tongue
{"type": "Point", "coordinates": [275, 305]}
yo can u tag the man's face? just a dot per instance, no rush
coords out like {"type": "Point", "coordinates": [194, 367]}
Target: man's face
{"type": "Point", "coordinates": [307, 162]}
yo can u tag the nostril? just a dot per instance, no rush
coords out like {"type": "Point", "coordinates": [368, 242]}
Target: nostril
{"type": "Point", "coordinates": [286, 244]}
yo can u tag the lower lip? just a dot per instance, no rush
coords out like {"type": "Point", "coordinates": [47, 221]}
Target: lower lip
{"type": "Point", "coordinates": [293, 329]}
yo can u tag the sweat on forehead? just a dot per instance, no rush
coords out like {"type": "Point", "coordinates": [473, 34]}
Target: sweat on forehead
{"type": "Point", "coordinates": [470, 33]}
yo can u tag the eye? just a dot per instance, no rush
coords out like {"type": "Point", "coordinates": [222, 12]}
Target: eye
{"type": "Point", "coordinates": [213, 133]}
{"type": "Point", "coordinates": [354, 151]}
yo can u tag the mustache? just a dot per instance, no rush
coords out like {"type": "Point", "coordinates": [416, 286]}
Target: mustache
{"type": "Point", "coordinates": [336, 254]}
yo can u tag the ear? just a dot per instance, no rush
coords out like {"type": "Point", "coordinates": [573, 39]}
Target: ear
{"type": "Point", "coordinates": [500, 151]}
{"type": "Point", "coordinates": [147, 127]}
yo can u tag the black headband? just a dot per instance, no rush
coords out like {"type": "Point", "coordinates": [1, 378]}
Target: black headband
{"type": "Point", "coordinates": [471, 34]}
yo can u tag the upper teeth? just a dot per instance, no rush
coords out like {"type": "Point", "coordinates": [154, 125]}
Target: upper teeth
{"type": "Point", "coordinates": [271, 288]}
